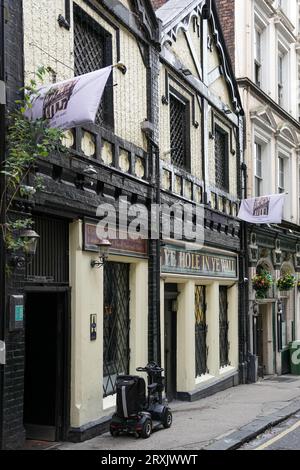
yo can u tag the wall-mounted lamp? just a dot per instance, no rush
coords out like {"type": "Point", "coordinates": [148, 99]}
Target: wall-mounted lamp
{"type": "Point", "coordinates": [30, 240]}
{"type": "Point", "coordinates": [104, 246]}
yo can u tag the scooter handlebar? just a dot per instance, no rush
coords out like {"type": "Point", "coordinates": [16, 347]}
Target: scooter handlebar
{"type": "Point", "coordinates": [151, 367]}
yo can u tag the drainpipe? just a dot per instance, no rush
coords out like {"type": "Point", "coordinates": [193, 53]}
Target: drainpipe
{"type": "Point", "coordinates": [2, 214]}
{"type": "Point", "coordinates": [155, 334]}
{"type": "Point", "coordinates": [244, 266]}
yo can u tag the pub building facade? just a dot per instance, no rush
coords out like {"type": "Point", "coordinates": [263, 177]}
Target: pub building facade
{"type": "Point", "coordinates": [201, 129]}
{"type": "Point", "coordinates": [71, 325]}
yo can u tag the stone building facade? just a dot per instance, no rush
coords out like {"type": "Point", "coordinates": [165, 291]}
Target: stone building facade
{"type": "Point", "coordinates": [266, 62]}
{"type": "Point", "coordinates": [201, 146]}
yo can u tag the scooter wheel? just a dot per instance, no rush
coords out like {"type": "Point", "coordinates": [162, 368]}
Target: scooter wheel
{"type": "Point", "coordinates": [168, 419]}
{"type": "Point", "coordinates": [147, 429]}
{"type": "Point", "coordinates": [114, 433]}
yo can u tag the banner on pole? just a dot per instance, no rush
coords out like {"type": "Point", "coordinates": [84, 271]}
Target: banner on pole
{"type": "Point", "coordinates": [72, 102]}
{"type": "Point", "coordinates": [263, 210]}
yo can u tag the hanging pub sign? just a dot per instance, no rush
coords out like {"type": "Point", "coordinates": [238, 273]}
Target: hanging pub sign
{"type": "Point", "coordinates": [177, 260]}
{"type": "Point", "coordinates": [122, 246]}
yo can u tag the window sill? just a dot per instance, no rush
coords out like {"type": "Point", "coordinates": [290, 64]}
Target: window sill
{"type": "Point", "coordinates": [109, 402]}
{"type": "Point", "coordinates": [227, 370]}
{"type": "Point", "coordinates": [204, 379]}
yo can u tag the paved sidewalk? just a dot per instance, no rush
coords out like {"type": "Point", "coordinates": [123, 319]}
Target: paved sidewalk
{"type": "Point", "coordinates": [244, 410]}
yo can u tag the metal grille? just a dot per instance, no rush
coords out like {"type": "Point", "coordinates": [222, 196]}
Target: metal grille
{"type": "Point", "coordinates": [221, 159]}
{"type": "Point", "coordinates": [51, 260]}
{"type": "Point", "coordinates": [200, 331]}
{"type": "Point", "coordinates": [115, 324]}
{"type": "Point", "coordinates": [89, 50]}
{"type": "Point", "coordinates": [224, 327]}
{"type": "Point", "coordinates": [177, 132]}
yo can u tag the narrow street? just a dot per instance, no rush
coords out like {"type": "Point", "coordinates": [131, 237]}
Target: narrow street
{"type": "Point", "coordinates": [286, 436]}
{"type": "Point", "coordinates": [210, 422]}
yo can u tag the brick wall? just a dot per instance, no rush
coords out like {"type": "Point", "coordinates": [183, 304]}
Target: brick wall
{"type": "Point", "coordinates": [226, 14]}
{"type": "Point", "coordinates": [12, 426]}
{"type": "Point", "coordinates": [158, 3]}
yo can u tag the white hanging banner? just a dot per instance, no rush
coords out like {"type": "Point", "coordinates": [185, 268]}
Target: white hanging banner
{"type": "Point", "coordinates": [263, 210]}
{"type": "Point", "coordinates": [72, 102]}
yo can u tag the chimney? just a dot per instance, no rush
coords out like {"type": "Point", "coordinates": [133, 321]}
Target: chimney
{"type": "Point", "coordinates": [158, 3]}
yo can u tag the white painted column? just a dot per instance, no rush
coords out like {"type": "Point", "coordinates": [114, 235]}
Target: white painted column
{"type": "Point", "coordinates": [162, 322]}
{"type": "Point", "coordinates": [233, 334]}
{"type": "Point", "coordinates": [292, 198]}
{"type": "Point", "coordinates": [138, 338]}
{"type": "Point", "coordinates": [186, 368]}
{"type": "Point", "coordinates": [212, 319]}
{"type": "Point", "coordinates": [86, 355]}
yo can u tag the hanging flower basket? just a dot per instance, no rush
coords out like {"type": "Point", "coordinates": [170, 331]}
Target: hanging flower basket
{"type": "Point", "coordinates": [286, 282]}
{"type": "Point", "coordinates": [261, 284]}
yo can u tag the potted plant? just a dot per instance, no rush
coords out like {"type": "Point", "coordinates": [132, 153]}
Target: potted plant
{"type": "Point", "coordinates": [286, 282]}
{"type": "Point", "coordinates": [261, 284]}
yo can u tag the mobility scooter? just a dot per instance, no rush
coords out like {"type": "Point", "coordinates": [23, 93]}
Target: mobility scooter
{"type": "Point", "coordinates": [134, 413]}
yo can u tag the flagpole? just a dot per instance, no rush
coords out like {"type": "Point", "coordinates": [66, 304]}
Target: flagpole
{"type": "Point", "coordinates": [122, 67]}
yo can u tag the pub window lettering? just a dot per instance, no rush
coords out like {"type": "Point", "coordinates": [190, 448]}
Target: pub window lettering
{"type": "Point", "coordinates": [93, 51]}
{"type": "Point", "coordinates": [221, 159]}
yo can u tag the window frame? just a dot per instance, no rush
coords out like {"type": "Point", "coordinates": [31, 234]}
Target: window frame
{"type": "Point", "coordinates": [174, 94]}
{"type": "Point", "coordinates": [258, 178]}
{"type": "Point", "coordinates": [108, 95]}
{"type": "Point", "coordinates": [258, 60]}
{"type": "Point", "coordinates": [226, 186]}
{"type": "Point", "coordinates": [281, 172]}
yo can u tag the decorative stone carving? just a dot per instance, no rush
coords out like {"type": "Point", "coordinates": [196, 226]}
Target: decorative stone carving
{"type": "Point", "coordinates": [106, 152]}
{"type": "Point", "coordinates": [68, 139]}
{"type": "Point", "coordinates": [166, 180]}
{"type": "Point", "coordinates": [187, 189]}
{"type": "Point", "coordinates": [88, 145]}
{"type": "Point", "coordinates": [297, 257]}
{"type": "Point", "coordinates": [178, 184]}
{"type": "Point", "coordinates": [277, 254]}
{"type": "Point", "coordinates": [124, 162]}
{"type": "Point", "coordinates": [139, 168]}
{"type": "Point", "coordinates": [198, 194]}
{"type": "Point", "coordinates": [253, 249]}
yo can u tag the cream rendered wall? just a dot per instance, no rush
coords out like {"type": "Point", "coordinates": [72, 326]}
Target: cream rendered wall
{"type": "Point", "coordinates": [232, 159]}
{"type": "Point", "coordinates": [186, 380]}
{"type": "Point", "coordinates": [195, 134]}
{"type": "Point", "coordinates": [180, 48]}
{"type": "Point", "coordinates": [86, 355]}
{"type": "Point", "coordinates": [126, 4]}
{"type": "Point", "coordinates": [185, 333]}
{"type": "Point", "coordinates": [213, 60]}
{"type": "Point", "coordinates": [220, 89]}
{"type": "Point", "coordinates": [212, 319]}
{"type": "Point", "coordinates": [233, 334]}
{"type": "Point", "coordinates": [138, 315]}
{"type": "Point", "coordinates": [46, 43]}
